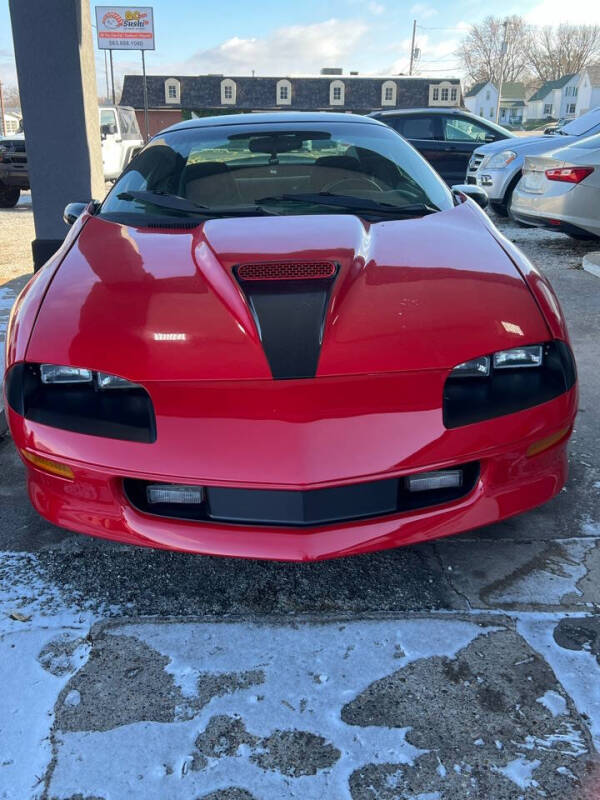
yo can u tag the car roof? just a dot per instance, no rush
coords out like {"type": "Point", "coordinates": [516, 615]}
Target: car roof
{"type": "Point", "coordinates": [404, 112]}
{"type": "Point", "coordinates": [270, 117]}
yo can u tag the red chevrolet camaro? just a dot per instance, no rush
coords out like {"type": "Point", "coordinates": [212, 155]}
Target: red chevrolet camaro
{"type": "Point", "coordinates": [283, 336]}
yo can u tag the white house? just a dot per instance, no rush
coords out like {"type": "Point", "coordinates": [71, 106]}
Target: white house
{"type": "Point", "coordinates": [482, 99]}
{"type": "Point", "coordinates": [588, 94]}
{"type": "Point", "coordinates": [568, 98]}
{"type": "Point", "coordinates": [554, 99]}
{"type": "Point", "coordinates": [513, 107]}
{"type": "Point", "coordinates": [12, 121]}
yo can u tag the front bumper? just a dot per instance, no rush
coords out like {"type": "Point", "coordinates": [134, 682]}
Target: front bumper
{"type": "Point", "coordinates": [13, 175]}
{"type": "Point", "coordinates": [494, 181]}
{"type": "Point", "coordinates": [300, 448]}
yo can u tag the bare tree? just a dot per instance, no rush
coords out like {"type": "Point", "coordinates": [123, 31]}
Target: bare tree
{"type": "Point", "coordinates": [11, 98]}
{"type": "Point", "coordinates": [480, 51]}
{"type": "Point", "coordinates": [564, 50]}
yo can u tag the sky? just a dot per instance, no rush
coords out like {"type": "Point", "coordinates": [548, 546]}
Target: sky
{"type": "Point", "coordinates": [292, 37]}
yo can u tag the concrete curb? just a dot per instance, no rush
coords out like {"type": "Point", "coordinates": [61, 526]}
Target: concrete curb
{"type": "Point", "coordinates": [591, 263]}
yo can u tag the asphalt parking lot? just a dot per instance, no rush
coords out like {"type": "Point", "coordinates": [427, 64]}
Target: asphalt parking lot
{"type": "Point", "coordinates": [464, 668]}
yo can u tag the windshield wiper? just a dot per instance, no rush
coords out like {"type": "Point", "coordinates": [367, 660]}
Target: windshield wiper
{"type": "Point", "coordinates": [176, 203]}
{"type": "Point", "coordinates": [353, 203]}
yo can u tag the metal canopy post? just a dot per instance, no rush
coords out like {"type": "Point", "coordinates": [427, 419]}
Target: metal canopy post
{"type": "Point", "coordinates": [112, 78]}
{"type": "Point", "coordinates": [146, 125]}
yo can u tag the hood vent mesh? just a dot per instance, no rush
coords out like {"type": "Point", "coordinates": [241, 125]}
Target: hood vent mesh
{"type": "Point", "coordinates": [286, 271]}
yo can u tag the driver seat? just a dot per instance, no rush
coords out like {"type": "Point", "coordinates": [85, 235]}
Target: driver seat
{"type": "Point", "coordinates": [209, 184]}
{"type": "Point", "coordinates": [331, 169]}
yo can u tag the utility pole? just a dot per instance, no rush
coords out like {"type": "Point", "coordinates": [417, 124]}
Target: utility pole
{"type": "Point", "coordinates": [412, 47]}
{"type": "Point", "coordinates": [502, 58]}
{"type": "Point", "coordinates": [3, 127]}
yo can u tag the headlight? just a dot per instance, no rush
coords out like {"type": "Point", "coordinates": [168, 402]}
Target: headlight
{"type": "Point", "coordinates": [81, 400]}
{"type": "Point", "coordinates": [52, 373]}
{"type": "Point", "coordinates": [529, 356]}
{"type": "Point", "coordinates": [507, 381]}
{"type": "Point", "coordinates": [501, 160]}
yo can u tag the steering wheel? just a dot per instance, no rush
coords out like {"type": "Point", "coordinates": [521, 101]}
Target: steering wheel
{"type": "Point", "coordinates": [358, 182]}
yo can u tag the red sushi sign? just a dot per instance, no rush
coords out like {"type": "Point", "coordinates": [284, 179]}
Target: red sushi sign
{"type": "Point", "coordinates": [125, 28]}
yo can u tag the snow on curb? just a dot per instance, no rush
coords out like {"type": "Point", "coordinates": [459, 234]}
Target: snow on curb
{"type": "Point", "coordinates": [591, 263]}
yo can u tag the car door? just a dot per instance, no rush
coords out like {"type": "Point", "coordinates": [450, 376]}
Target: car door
{"type": "Point", "coordinates": [111, 143]}
{"type": "Point", "coordinates": [461, 136]}
{"type": "Point", "coordinates": [424, 132]}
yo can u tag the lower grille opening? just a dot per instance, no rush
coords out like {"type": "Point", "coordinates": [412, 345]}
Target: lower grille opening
{"type": "Point", "coordinates": [314, 507]}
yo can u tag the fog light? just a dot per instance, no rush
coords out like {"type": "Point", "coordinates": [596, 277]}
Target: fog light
{"type": "Point", "coordinates": [441, 479]}
{"type": "Point", "coordinates": [174, 493]}
{"type": "Point", "coordinates": [47, 465]}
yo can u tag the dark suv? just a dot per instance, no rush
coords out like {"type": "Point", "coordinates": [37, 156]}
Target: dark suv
{"type": "Point", "coordinates": [446, 137]}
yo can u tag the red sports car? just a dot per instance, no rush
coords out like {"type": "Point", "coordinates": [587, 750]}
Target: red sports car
{"type": "Point", "coordinates": [282, 336]}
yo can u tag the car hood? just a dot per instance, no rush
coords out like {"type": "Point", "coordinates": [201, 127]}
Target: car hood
{"type": "Point", "coordinates": [158, 304]}
{"type": "Point", "coordinates": [526, 144]}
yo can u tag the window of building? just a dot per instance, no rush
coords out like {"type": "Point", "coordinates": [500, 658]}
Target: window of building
{"type": "Point", "coordinates": [436, 94]}
{"type": "Point", "coordinates": [172, 90]}
{"type": "Point", "coordinates": [228, 91]}
{"type": "Point", "coordinates": [284, 92]}
{"type": "Point", "coordinates": [571, 108]}
{"type": "Point", "coordinates": [453, 95]}
{"type": "Point", "coordinates": [444, 95]}
{"type": "Point", "coordinates": [492, 112]}
{"type": "Point", "coordinates": [481, 111]}
{"type": "Point", "coordinates": [336, 93]}
{"type": "Point", "coordinates": [388, 93]}
{"type": "Point", "coordinates": [487, 95]}
{"type": "Point", "coordinates": [548, 109]}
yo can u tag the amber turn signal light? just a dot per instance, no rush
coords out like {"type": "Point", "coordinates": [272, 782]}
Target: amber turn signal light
{"type": "Point", "coordinates": [47, 465]}
{"type": "Point", "coordinates": [547, 442]}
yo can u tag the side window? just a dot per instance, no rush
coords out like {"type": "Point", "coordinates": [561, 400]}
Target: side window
{"type": "Point", "coordinates": [418, 127]}
{"type": "Point", "coordinates": [107, 117]}
{"type": "Point", "coordinates": [460, 129]}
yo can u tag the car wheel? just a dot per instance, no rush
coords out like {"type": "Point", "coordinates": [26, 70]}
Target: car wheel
{"type": "Point", "coordinates": [503, 208]}
{"type": "Point", "coordinates": [9, 196]}
{"type": "Point", "coordinates": [499, 208]}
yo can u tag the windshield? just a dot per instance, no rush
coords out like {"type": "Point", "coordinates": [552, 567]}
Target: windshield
{"type": "Point", "coordinates": [588, 123]}
{"type": "Point", "coordinates": [299, 168]}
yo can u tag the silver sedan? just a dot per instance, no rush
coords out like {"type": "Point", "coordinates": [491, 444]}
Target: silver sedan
{"type": "Point", "coordinates": [561, 190]}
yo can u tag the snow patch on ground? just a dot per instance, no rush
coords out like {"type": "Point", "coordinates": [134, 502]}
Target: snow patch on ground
{"type": "Point", "coordinates": [520, 771]}
{"type": "Point", "coordinates": [310, 672]}
{"type": "Point", "coordinates": [577, 671]}
{"type": "Point", "coordinates": [554, 702]}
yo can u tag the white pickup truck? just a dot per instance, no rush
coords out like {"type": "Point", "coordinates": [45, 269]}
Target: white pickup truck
{"type": "Point", "coordinates": [120, 138]}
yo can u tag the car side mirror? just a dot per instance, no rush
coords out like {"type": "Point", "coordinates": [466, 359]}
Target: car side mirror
{"type": "Point", "coordinates": [73, 211]}
{"type": "Point", "coordinates": [489, 137]}
{"type": "Point", "coordinates": [476, 193]}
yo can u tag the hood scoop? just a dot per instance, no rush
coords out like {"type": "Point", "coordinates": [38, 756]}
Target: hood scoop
{"type": "Point", "coordinates": [289, 303]}
{"type": "Point", "coordinates": [286, 271]}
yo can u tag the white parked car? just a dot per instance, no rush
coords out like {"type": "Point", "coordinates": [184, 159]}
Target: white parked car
{"type": "Point", "coordinates": [561, 190]}
{"type": "Point", "coordinates": [121, 140]}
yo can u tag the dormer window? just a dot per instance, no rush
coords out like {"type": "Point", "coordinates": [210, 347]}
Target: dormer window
{"type": "Point", "coordinates": [336, 93]}
{"type": "Point", "coordinates": [228, 92]}
{"type": "Point", "coordinates": [172, 91]}
{"type": "Point", "coordinates": [388, 93]}
{"type": "Point", "coordinates": [453, 95]}
{"type": "Point", "coordinates": [284, 92]}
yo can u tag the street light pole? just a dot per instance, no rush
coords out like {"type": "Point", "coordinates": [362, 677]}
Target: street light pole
{"type": "Point", "coordinates": [502, 58]}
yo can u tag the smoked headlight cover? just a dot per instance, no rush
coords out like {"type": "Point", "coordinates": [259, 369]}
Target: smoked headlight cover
{"type": "Point", "coordinates": [80, 400]}
{"type": "Point", "coordinates": [517, 378]}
